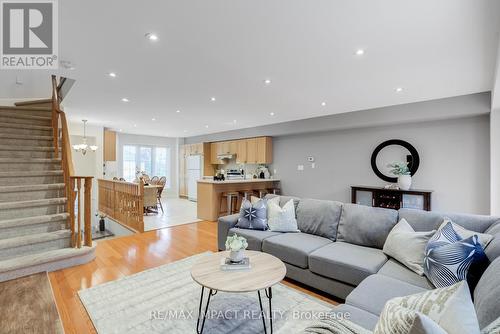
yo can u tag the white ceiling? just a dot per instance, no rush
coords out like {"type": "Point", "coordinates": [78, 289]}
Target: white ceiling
{"type": "Point", "coordinates": [227, 48]}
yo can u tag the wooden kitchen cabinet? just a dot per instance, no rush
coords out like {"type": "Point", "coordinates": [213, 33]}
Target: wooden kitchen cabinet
{"type": "Point", "coordinates": [109, 151]}
{"type": "Point", "coordinates": [241, 151]}
{"type": "Point", "coordinates": [264, 150]}
{"type": "Point", "coordinates": [251, 150]}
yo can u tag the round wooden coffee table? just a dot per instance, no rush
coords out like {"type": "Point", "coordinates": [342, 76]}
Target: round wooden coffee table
{"type": "Point", "coordinates": [266, 270]}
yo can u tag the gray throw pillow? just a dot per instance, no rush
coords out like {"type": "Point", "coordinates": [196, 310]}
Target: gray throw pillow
{"type": "Point", "coordinates": [253, 216]}
{"type": "Point", "coordinates": [366, 226]}
{"type": "Point", "coordinates": [407, 246]}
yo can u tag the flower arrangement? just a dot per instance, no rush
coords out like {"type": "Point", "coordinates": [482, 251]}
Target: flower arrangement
{"type": "Point", "coordinates": [399, 168]}
{"type": "Point", "coordinates": [236, 243]}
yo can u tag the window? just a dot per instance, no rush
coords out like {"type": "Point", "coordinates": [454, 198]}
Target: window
{"type": "Point", "coordinates": [153, 160]}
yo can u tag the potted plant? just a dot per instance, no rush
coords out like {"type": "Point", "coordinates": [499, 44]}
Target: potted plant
{"type": "Point", "coordinates": [102, 222]}
{"type": "Point", "coordinates": [236, 246]}
{"type": "Point", "coordinates": [401, 170]}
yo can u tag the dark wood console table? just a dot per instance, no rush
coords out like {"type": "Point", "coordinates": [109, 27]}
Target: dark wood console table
{"type": "Point", "coordinates": [391, 198]}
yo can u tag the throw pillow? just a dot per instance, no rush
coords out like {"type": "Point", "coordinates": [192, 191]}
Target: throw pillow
{"type": "Point", "coordinates": [407, 246]}
{"type": "Point", "coordinates": [464, 233]}
{"type": "Point", "coordinates": [253, 217]}
{"type": "Point", "coordinates": [281, 219]}
{"type": "Point", "coordinates": [400, 320]}
{"type": "Point", "coordinates": [493, 328]}
{"type": "Point", "coordinates": [451, 308]}
{"type": "Point", "coordinates": [450, 259]}
{"type": "Point", "coordinates": [274, 200]}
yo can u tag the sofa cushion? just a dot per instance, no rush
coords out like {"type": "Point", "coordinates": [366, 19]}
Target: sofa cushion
{"type": "Point", "coordinates": [394, 269]}
{"type": "Point", "coordinates": [372, 294]}
{"type": "Point", "coordinates": [294, 248]}
{"type": "Point", "coordinates": [430, 220]}
{"type": "Point", "coordinates": [319, 217]}
{"type": "Point", "coordinates": [366, 226]}
{"type": "Point", "coordinates": [493, 249]}
{"type": "Point", "coordinates": [487, 295]}
{"type": "Point", "coordinates": [346, 262]}
{"type": "Point", "coordinates": [254, 237]}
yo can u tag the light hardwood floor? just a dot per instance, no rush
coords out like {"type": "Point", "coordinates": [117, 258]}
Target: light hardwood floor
{"type": "Point", "coordinates": [128, 255]}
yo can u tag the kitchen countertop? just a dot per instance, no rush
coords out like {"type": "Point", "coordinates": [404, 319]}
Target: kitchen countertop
{"type": "Point", "coordinates": [237, 181]}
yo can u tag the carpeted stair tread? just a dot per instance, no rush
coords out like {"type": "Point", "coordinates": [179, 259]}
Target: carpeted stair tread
{"type": "Point", "coordinates": [32, 173]}
{"type": "Point", "coordinates": [32, 102]}
{"type": "Point", "coordinates": [24, 137]}
{"type": "Point", "coordinates": [18, 222]}
{"type": "Point", "coordinates": [30, 160]}
{"type": "Point", "coordinates": [24, 116]}
{"type": "Point", "coordinates": [46, 109]}
{"type": "Point", "coordinates": [25, 126]}
{"type": "Point", "coordinates": [39, 238]}
{"type": "Point", "coordinates": [43, 257]}
{"type": "Point", "coordinates": [27, 148]}
{"type": "Point", "coordinates": [32, 203]}
{"type": "Point", "coordinates": [31, 187]}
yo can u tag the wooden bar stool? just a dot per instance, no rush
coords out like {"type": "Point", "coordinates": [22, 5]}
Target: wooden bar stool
{"type": "Point", "coordinates": [231, 199]}
{"type": "Point", "coordinates": [274, 191]}
{"type": "Point", "coordinates": [262, 193]}
{"type": "Point", "coordinates": [245, 194]}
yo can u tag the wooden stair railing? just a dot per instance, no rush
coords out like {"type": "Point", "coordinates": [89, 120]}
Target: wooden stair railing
{"type": "Point", "coordinates": [73, 183]}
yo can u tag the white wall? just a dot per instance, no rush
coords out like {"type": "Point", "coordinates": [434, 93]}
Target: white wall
{"type": "Point", "coordinates": [172, 143]}
{"type": "Point", "coordinates": [454, 161]}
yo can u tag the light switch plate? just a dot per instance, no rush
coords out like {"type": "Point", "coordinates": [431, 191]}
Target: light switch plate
{"type": "Point", "coordinates": [313, 165]}
{"type": "Point", "coordinates": [300, 167]}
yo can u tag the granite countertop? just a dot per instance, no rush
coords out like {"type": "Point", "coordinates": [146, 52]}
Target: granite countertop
{"type": "Point", "coordinates": [237, 181]}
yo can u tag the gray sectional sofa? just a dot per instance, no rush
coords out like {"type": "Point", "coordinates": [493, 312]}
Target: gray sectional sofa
{"type": "Point", "coordinates": [339, 251]}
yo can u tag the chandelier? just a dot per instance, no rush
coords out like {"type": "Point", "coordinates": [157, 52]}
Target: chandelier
{"type": "Point", "coordinates": [84, 147]}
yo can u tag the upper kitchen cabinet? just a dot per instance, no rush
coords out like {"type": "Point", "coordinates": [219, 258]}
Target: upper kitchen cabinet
{"type": "Point", "coordinates": [109, 151]}
{"type": "Point", "coordinates": [264, 150]}
{"type": "Point", "coordinates": [241, 151]}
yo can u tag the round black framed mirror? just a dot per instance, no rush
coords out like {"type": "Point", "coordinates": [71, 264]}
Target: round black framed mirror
{"type": "Point", "coordinates": [390, 151]}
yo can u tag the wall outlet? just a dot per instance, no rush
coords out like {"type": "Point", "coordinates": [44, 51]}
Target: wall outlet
{"type": "Point", "coordinates": [300, 167]}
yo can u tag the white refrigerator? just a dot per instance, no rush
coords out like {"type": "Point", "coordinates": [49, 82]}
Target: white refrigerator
{"type": "Point", "coordinates": [194, 163]}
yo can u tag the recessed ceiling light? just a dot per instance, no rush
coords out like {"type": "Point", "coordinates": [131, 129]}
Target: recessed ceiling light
{"type": "Point", "coordinates": [323, 103]}
{"type": "Point", "coordinates": [125, 99]}
{"type": "Point", "coordinates": [267, 82]}
{"type": "Point", "coordinates": [121, 130]}
{"type": "Point", "coordinates": [112, 74]}
{"type": "Point", "coordinates": [135, 125]}
{"type": "Point", "coordinates": [212, 99]}
{"type": "Point", "coordinates": [271, 113]}
{"type": "Point", "coordinates": [399, 90]}
{"type": "Point", "coordinates": [360, 52]}
{"type": "Point", "coordinates": [177, 111]}
{"type": "Point", "coordinates": [206, 126]}
{"type": "Point", "coordinates": [234, 121]}
{"type": "Point", "coordinates": [153, 119]}
{"type": "Point", "coordinates": [185, 131]}
{"type": "Point", "coordinates": [151, 36]}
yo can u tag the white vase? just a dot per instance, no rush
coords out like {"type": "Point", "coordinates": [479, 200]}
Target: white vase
{"type": "Point", "coordinates": [236, 256]}
{"type": "Point", "coordinates": [404, 182]}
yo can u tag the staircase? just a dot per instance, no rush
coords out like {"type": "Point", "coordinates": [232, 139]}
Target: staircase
{"type": "Point", "coordinates": [35, 234]}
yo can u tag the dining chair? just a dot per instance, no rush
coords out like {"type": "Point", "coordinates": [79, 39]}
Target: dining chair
{"type": "Point", "coordinates": [121, 179]}
{"type": "Point", "coordinates": [115, 178]}
{"type": "Point", "coordinates": [150, 198]}
{"type": "Point", "coordinates": [161, 182]}
{"type": "Point", "coordinates": [146, 178]}
{"type": "Point", "coordinates": [154, 180]}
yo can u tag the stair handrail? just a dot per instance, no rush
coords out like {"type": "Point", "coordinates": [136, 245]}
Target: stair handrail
{"type": "Point", "coordinates": [72, 182]}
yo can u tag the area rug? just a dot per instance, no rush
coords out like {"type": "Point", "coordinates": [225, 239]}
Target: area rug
{"type": "Point", "coordinates": [166, 299]}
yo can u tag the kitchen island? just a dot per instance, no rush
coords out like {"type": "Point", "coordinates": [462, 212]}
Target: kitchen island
{"type": "Point", "coordinates": [210, 191]}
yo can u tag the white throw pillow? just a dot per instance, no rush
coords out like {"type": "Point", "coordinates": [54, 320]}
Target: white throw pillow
{"type": "Point", "coordinates": [451, 308]}
{"type": "Point", "coordinates": [281, 219]}
{"type": "Point", "coordinates": [484, 239]}
{"type": "Point", "coordinates": [407, 246]}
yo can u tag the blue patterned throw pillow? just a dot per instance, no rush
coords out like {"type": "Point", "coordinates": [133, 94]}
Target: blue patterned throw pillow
{"type": "Point", "coordinates": [450, 259]}
{"type": "Point", "coordinates": [254, 216]}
